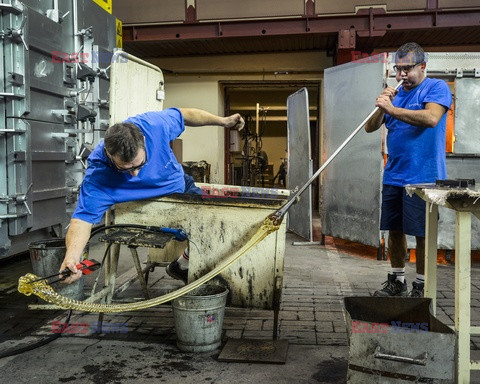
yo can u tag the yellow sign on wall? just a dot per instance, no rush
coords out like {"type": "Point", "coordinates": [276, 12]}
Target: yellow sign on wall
{"type": "Point", "coordinates": [119, 34]}
{"type": "Point", "coordinates": [105, 4]}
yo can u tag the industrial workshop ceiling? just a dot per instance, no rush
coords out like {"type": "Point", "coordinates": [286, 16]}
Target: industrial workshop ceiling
{"type": "Point", "coordinates": [444, 37]}
{"type": "Point", "coordinates": [214, 27]}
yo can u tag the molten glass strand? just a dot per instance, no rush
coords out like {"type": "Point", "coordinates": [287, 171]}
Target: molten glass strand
{"type": "Point", "coordinates": [47, 293]}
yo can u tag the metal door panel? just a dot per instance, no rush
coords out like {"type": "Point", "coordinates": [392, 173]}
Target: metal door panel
{"type": "Point", "coordinates": [15, 63]}
{"type": "Point", "coordinates": [352, 182]}
{"type": "Point", "coordinates": [467, 124]}
{"type": "Point", "coordinates": [43, 34]}
{"type": "Point", "coordinates": [48, 174]}
{"type": "Point", "coordinates": [44, 103]}
{"type": "Point", "coordinates": [19, 173]}
{"type": "Point", "coordinates": [299, 162]}
{"type": "Point", "coordinates": [49, 212]}
{"type": "Point", "coordinates": [458, 168]}
{"type": "Point", "coordinates": [104, 31]}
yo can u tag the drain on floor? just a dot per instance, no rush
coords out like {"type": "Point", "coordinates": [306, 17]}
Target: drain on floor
{"type": "Point", "coordinates": [255, 351]}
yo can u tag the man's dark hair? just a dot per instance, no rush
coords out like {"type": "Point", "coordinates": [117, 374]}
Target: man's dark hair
{"type": "Point", "coordinates": [124, 140]}
{"type": "Point", "coordinates": [418, 54]}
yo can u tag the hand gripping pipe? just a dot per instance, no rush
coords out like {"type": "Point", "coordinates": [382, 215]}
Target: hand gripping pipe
{"type": "Point", "coordinates": [279, 214]}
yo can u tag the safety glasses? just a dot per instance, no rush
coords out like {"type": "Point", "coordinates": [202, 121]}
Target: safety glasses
{"type": "Point", "coordinates": [404, 68]}
{"type": "Point", "coordinates": [126, 170]}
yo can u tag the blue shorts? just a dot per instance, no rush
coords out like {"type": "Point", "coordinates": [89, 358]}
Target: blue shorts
{"type": "Point", "coordinates": [190, 187]}
{"type": "Point", "coordinates": [401, 212]}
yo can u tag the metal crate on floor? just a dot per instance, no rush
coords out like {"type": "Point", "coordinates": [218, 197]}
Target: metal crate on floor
{"type": "Point", "coordinates": [397, 340]}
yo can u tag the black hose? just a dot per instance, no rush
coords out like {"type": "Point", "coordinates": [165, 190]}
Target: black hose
{"type": "Point", "coordinates": [46, 340]}
{"type": "Point", "coordinates": [54, 336]}
{"type": "Point", "coordinates": [103, 228]}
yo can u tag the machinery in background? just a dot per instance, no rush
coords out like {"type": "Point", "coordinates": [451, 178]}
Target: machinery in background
{"type": "Point", "coordinates": [254, 171]}
{"type": "Point", "coordinates": [55, 60]}
{"type": "Point", "coordinates": [199, 170]}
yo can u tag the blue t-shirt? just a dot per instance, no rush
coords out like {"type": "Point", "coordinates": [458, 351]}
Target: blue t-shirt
{"type": "Point", "coordinates": [161, 175]}
{"type": "Point", "coordinates": [417, 154]}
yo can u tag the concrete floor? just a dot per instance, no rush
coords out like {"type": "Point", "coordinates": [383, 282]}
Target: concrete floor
{"type": "Point", "coordinates": [316, 280]}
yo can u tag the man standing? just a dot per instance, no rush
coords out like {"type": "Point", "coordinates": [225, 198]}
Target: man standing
{"type": "Point", "coordinates": [415, 118]}
{"type": "Point", "coordinates": [135, 162]}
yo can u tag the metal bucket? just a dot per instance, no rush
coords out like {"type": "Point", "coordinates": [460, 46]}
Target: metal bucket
{"type": "Point", "coordinates": [47, 257]}
{"type": "Point", "coordinates": [198, 318]}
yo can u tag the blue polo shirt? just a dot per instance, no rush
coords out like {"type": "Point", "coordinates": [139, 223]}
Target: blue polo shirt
{"type": "Point", "coordinates": [162, 175]}
{"type": "Point", "coordinates": [417, 154]}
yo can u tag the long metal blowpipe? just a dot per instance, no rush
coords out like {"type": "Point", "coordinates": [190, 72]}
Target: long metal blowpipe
{"type": "Point", "coordinates": [278, 215]}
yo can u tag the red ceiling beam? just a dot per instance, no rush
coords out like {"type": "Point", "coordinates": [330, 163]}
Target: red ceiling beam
{"type": "Point", "coordinates": [368, 24]}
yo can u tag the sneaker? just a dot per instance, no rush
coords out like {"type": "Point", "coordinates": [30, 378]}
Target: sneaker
{"type": "Point", "coordinates": [417, 290]}
{"type": "Point", "coordinates": [173, 270]}
{"type": "Point", "coordinates": [392, 287]}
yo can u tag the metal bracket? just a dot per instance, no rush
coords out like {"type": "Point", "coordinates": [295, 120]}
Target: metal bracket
{"type": "Point", "coordinates": [18, 199]}
{"type": "Point", "coordinates": [16, 7]}
{"type": "Point", "coordinates": [22, 199]}
{"type": "Point", "coordinates": [16, 33]}
{"type": "Point", "coordinates": [16, 79]}
{"type": "Point", "coordinates": [459, 72]}
{"type": "Point", "coordinates": [11, 95]}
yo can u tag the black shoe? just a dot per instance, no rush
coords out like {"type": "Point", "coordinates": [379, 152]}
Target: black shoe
{"type": "Point", "coordinates": [173, 270]}
{"type": "Point", "coordinates": [392, 287]}
{"type": "Point", "coordinates": [417, 290]}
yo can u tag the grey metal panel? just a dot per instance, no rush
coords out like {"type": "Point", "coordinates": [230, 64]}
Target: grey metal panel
{"type": "Point", "coordinates": [44, 103]}
{"type": "Point", "coordinates": [39, 5]}
{"type": "Point", "coordinates": [43, 33]}
{"type": "Point", "coordinates": [19, 172]}
{"type": "Point", "coordinates": [352, 182]}
{"type": "Point", "coordinates": [458, 168]}
{"type": "Point", "coordinates": [48, 174]}
{"type": "Point", "coordinates": [4, 241]}
{"type": "Point", "coordinates": [467, 122]}
{"type": "Point", "coordinates": [104, 24]}
{"type": "Point", "coordinates": [299, 162]}
{"type": "Point", "coordinates": [33, 172]}
{"type": "Point", "coordinates": [16, 64]}
{"type": "Point", "coordinates": [49, 212]}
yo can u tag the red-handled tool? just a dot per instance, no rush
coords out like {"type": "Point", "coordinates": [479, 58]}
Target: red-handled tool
{"type": "Point", "coordinates": [86, 266]}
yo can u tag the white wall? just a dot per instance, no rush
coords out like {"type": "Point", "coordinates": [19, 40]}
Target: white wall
{"type": "Point", "coordinates": [194, 82]}
{"type": "Point", "coordinates": [200, 143]}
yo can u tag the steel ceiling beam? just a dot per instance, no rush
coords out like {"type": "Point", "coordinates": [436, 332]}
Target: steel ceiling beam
{"type": "Point", "coordinates": [373, 22]}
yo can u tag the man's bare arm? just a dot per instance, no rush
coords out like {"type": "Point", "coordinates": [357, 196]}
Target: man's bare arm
{"type": "Point", "coordinates": [194, 117]}
{"type": "Point", "coordinates": [77, 238]}
{"type": "Point", "coordinates": [375, 121]}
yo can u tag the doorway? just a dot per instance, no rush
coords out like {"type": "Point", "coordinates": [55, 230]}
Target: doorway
{"type": "Point", "coordinates": [257, 156]}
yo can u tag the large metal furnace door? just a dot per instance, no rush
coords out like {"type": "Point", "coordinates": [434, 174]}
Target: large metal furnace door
{"type": "Point", "coordinates": [53, 100]}
{"type": "Point", "coordinates": [352, 182]}
{"type": "Point", "coordinates": [299, 162]}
